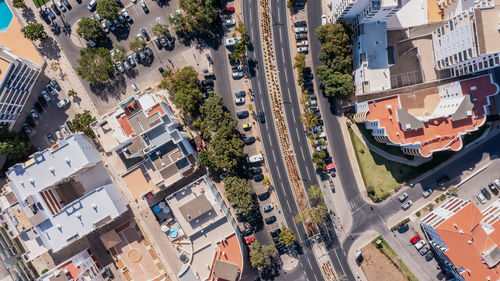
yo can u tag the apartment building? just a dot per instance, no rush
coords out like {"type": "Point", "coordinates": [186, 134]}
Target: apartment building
{"type": "Point", "coordinates": [432, 119]}
{"type": "Point", "coordinates": [465, 238]}
{"type": "Point", "coordinates": [65, 192]}
{"type": "Point", "coordinates": [20, 67]}
{"type": "Point", "coordinates": [149, 140]}
{"type": "Point", "coordinates": [469, 42]}
{"type": "Point", "coordinates": [81, 266]}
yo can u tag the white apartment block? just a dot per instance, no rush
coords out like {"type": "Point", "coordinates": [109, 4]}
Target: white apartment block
{"type": "Point", "coordinates": [66, 192]}
{"type": "Point", "coordinates": [17, 78]}
{"type": "Point", "coordinates": [363, 11]}
{"type": "Point", "coordinates": [469, 42]}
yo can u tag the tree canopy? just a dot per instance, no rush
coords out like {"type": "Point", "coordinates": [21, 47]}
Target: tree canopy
{"type": "Point", "coordinates": [336, 83]}
{"type": "Point", "coordinates": [13, 145]}
{"type": "Point", "coordinates": [160, 30]}
{"type": "Point", "coordinates": [317, 214]}
{"type": "Point", "coordinates": [90, 29]}
{"type": "Point", "coordinates": [34, 31]}
{"type": "Point", "coordinates": [108, 9]}
{"type": "Point", "coordinates": [81, 123]}
{"type": "Point", "coordinates": [199, 15]}
{"type": "Point", "coordinates": [119, 53]}
{"type": "Point", "coordinates": [286, 235]}
{"type": "Point", "coordinates": [19, 4]}
{"type": "Point", "coordinates": [95, 64]}
{"type": "Point", "coordinates": [224, 147]}
{"type": "Point", "coordinates": [260, 255]}
{"type": "Point", "coordinates": [316, 195]}
{"type": "Point", "coordinates": [137, 44]}
{"type": "Point", "coordinates": [238, 194]}
{"type": "Point", "coordinates": [183, 83]}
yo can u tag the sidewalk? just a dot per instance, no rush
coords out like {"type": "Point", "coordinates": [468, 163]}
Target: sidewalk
{"type": "Point", "coordinates": [359, 243]}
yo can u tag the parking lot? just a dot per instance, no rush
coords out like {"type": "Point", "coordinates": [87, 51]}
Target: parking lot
{"type": "Point", "coordinates": [105, 96]}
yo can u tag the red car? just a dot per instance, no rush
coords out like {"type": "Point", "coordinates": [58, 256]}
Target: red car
{"type": "Point", "coordinates": [228, 10]}
{"type": "Point", "coordinates": [249, 240]}
{"type": "Point", "coordinates": [415, 239]}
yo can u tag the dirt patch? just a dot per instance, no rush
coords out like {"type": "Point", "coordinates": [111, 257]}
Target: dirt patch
{"type": "Point", "coordinates": [377, 266]}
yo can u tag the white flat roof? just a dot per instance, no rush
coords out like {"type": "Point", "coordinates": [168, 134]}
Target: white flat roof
{"type": "Point", "coordinates": [51, 166]}
{"type": "Point", "coordinates": [82, 216]}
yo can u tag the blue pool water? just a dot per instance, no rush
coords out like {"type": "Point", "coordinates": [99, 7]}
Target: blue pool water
{"type": "Point", "coordinates": [5, 15]}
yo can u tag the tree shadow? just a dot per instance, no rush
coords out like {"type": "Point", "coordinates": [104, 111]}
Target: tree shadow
{"type": "Point", "coordinates": [50, 49]}
{"type": "Point", "coordinates": [163, 3]}
{"type": "Point", "coordinates": [114, 88]}
{"type": "Point", "coordinates": [77, 100]}
{"type": "Point", "coordinates": [28, 14]}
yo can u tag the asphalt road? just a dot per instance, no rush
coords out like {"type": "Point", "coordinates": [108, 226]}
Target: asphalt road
{"type": "Point", "coordinates": [308, 266]}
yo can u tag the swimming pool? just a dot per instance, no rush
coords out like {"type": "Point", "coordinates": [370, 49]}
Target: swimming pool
{"type": "Point", "coordinates": [5, 16]}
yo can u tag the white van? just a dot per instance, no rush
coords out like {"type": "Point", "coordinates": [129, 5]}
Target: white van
{"type": "Point", "coordinates": [255, 158]}
{"type": "Point", "coordinates": [92, 5]}
{"type": "Point", "coordinates": [311, 103]}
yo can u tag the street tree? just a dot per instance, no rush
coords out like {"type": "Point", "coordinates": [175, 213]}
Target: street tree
{"type": "Point", "coordinates": [240, 48]}
{"type": "Point", "coordinates": [72, 93]}
{"type": "Point", "coordinates": [13, 145]}
{"type": "Point", "coordinates": [318, 158]}
{"type": "Point", "coordinates": [19, 4]}
{"type": "Point", "coordinates": [336, 84]}
{"type": "Point", "coordinates": [317, 214]}
{"type": "Point", "coordinates": [137, 44]}
{"type": "Point", "coordinates": [199, 15]}
{"type": "Point", "coordinates": [160, 30]}
{"type": "Point", "coordinates": [108, 9]}
{"type": "Point", "coordinates": [286, 235]}
{"type": "Point", "coordinates": [237, 191]}
{"type": "Point", "coordinates": [119, 53]}
{"type": "Point", "coordinates": [34, 31]}
{"type": "Point", "coordinates": [184, 85]}
{"type": "Point", "coordinates": [89, 29]}
{"type": "Point", "coordinates": [260, 255]}
{"type": "Point", "coordinates": [81, 123]}
{"type": "Point", "coordinates": [300, 63]}
{"type": "Point", "coordinates": [95, 64]}
{"type": "Point", "coordinates": [316, 195]}
{"type": "Point", "coordinates": [241, 29]}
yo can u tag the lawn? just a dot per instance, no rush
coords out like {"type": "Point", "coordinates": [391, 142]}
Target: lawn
{"type": "Point", "coordinates": [381, 175]}
{"type": "Point", "coordinates": [39, 3]}
{"type": "Point", "coordinates": [386, 249]}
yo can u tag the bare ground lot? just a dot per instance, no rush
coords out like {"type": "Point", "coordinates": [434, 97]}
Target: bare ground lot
{"type": "Point", "coordinates": [377, 266]}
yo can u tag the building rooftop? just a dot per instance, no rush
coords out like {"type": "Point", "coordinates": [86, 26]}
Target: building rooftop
{"type": "Point", "coordinates": [81, 266]}
{"type": "Point", "coordinates": [462, 228]}
{"type": "Point", "coordinates": [434, 118]}
{"type": "Point", "coordinates": [487, 22]}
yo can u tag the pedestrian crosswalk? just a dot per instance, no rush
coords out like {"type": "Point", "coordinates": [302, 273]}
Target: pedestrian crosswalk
{"type": "Point", "coordinates": [356, 202]}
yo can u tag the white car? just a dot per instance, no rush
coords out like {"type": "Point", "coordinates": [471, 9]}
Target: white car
{"type": "Point", "coordinates": [62, 103]}
{"type": "Point", "coordinates": [323, 19]}
{"type": "Point", "coordinates": [237, 74]}
{"type": "Point", "coordinates": [427, 193]}
{"type": "Point", "coordinates": [407, 205]}
{"type": "Point", "coordinates": [45, 96]}
{"type": "Point", "coordinates": [420, 244]}
{"type": "Point", "coordinates": [229, 22]}
{"type": "Point", "coordinates": [104, 27]}
{"type": "Point", "coordinates": [497, 183]}
{"type": "Point", "coordinates": [239, 101]}
{"type": "Point", "coordinates": [301, 30]}
{"type": "Point", "coordinates": [481, 198]}
{"type": "Point", "coordinates": [403, 197]}
{"type": "Point", "coordinates": [134, 87]}
{"type": "Point", "coordinates": [302, 50]}
{"type": "Point", "coordinates": [159, 20]}
{"type": "Point", "coordinates": [303, 43]}
{"type": "Point", "coordinates": [34, 114]}
{"type": "Point", "coordinates": [65, 130]}
{"type": "Point", "coordinates": [59, 136]}
{"type": "Point", "coordinates": [231, 41]}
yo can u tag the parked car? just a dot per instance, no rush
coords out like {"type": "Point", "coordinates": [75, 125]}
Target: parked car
{"type": "Point", "coordinates": [110, 25]}
{"type": "Point", "coordinates": [229, 22]}
{"type": "Point", "coordinates": [49, 12]}
{"type": "Point", "coordinates": [68, 124]}
{"type": "Point", "coordinates": [56, 10]}
{"type": "Point", "coordinates": [270, 220]}
{"type": "Point", "coordinates": [26, 128]}
{"type": "Point", "coordinates": [161, 70]}
{"type": "Point", "coordinates": [249, 141]}
{"type": "Point", "coordinates": [148, 51]}
{"type": "Point", "coordinates": [300, 23]}
{"type": "Point", "coordinates": [247, 126]}
{"type": "Point", "coordinates": [228, 10]}
{"type": "Point", "coordinates": [481, 198]}
{"type": "Point", "coordinates": [262, 118]}
{"type": "Point", "coordinates": [420, 244]}
{"type": "Point", "coordinates": [38, 107]}
{"type": "Point", "coordinates": [486, 194]}
{"type": "Point", "coordinates": [407, 205]}
{"type": "Point", "coordinates": [443, 180]}
{"type": "Point", "coordinates": [119, 65]}
{"type": "Point", "coordinates": [145, 34]}
{"type": "Point", "coordinates": [58, 135]}
{"type": "Point", "coordinates": [45, 95]}
{"type": "Point", "coordinates": [50, 138]}
{"type": "Point", "coordinates": [268, 208]}
{"type": "Point", "coordinates": [91, 5]}
{"type": "Point", "coordinates": [239, 101]}
{"type": "Point", "coordinates": [131, 61]}
{"type": "Point", "coordinates": [403, 197]}
{"type": "Point", "coordinates": [97, 16]}
{"type": "Point", "coordinates": [493, 188]}
{"type": "Point", "coordinates": [299, 4]}
{"type": "Point", "coordinates": [51, 89]}
{"type": "Point", "coordinates": [275, 233]}
{"type": "Point", "coordinates": [300, 36]}
{"type": "Point", "coordinates": [258, 177]}
{"type": "Point", "coordinates": [238, 75]}
{"type": "Point", "coordinates": [242, 114]}
{"type": "Point", "coordinates": [246, 231]}
{"type": "Point", "coordinates": [424, 251]}
{"type": "Point", "coordinates": [302, 50]}
{"type": "Point", "coordinates": [134, 87]}
{"type": "Point", "coordinates": [256, 171]}
{"type": "Point", "coordinates": [303, 43]}
{"type": "Point", "coordinates": [104, 27]}
{"type": "Point", "coordinates": [497, 183]}
{"type": "Point", "coordinates": [240, 94]}
{"type": "Point", "coordinates": [427, 193]}
{"type": "Point", "coordinates": [62, 103]}
{"type": "Point", "coordinates": [34, 114]}
{"type": "Point", "coordinates": [157, 42]}
{"type": "Point", "coordinates": [231, 41]}
{"type": "Point", "coordinates": [44, 16]}
{"type": "Point", "coordinates": [249, 240]}
{"type": "Point", "coordinates": [127, 15]}
{"type": "Point", "coordinates": [127, 65]}
{"type": "Point", "coordinates": [263, 196]}
{"type": "Point", "coordinates": [144, 7]}
{"type": "Point", "coordinates": [61, 6]}
{"type": "Point", "coordinates": [429, 256]}
{"type": "Point", "coordinates": [300, 30]}
{"type": "Point", "coordinates": [65, 130]}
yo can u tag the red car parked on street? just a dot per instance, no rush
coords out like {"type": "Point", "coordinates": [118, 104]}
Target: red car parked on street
{"type": "Point", "coordinates": [228, 10]}
{"type": "Point", "coordinates": [249, 240]}
{"type": "Point", "coordinates": [415, 239]}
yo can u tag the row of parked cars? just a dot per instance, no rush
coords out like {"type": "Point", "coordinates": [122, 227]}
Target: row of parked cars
{"type": "Point", "coordinates": [485, 195]}
{"type": "Point", "coordinates": [49, 14]}
{"type": "Point", "coordinates": [301, 36]}
{"type": "Point", "coordinates": [422, 247]}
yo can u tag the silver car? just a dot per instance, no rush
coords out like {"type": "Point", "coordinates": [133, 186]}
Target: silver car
{"type": "Point", "coordinates": [268, 208]}
{"type": "Point", "coordinates": [119, 65]}
{"type": "Point", "coordinates": [481, 198]}
{"type": "Point", "coordinates": [407, 205]}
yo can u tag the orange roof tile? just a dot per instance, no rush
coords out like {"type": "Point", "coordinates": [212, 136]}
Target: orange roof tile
{"type": "Point", "coordinates": [123, 120]}
{"type": "Point", "coordinates": [156, 108]}
{"type": "Point", "coordinates": [439, 133]}
{"type": "Point", "coordinates": [229, 251]}
{"type": "Point", "coordinates": [469, 237]}
{"type": "Point", "coordinates": [73, 271]}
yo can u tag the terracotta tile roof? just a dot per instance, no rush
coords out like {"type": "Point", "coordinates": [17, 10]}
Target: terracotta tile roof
{"type": "Point", "coordinates": [438, 133]}
{"type": "Point", "coordinates": [73, 270]}
{"type": "Point", "coordinates": [123, 120]}
{"type": "Point", "coordinates": [463, 233]}
{"type": "Point", "coordinates": [156, 108]}
{"type": "Point", "coordinates": [229, 251]}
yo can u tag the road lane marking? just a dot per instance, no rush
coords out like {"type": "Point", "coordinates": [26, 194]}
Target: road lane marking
{"type": "Point", "coordinates": [288, 204]}
{"type": "Point", "coordinates": [341, 267]}
{"type": "Point", "coordinates": [286, 73]}
{"type": "Point", "coordinates": [274, 156]}
{"type": "Point", "coordinates": [279, 13]}
{"type": "Point", "coordinates": [281, 37]}
{"type": "Point", "coordinates": [297, 130]}
{"type": "Point", "coordinates": [279, 175]}
{"type": "Point", "coordinates": [302, 150]}
{"type": "Point", "coordinates": [250, 11]}
{"type": "Point", "coordinates": [309, 261]}
{"type": "Point", "coordinates": [308, 175]}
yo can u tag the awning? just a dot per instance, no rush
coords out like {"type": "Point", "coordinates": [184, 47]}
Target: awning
{"type": "Point", "coordinates": [330, 166]}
